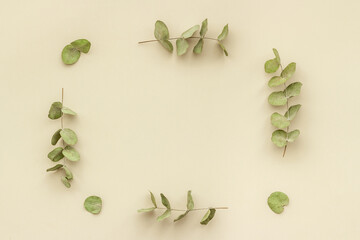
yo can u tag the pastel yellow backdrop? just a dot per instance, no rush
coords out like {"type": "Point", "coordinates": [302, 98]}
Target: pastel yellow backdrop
{"type": "Point", "coordinates": [149, 120]}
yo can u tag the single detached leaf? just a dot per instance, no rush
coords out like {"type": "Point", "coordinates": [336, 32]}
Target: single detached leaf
{"type": "Point", "coordinates": [271, 65]}
{"type": "Point", "coordinates": [54, 168]}
{"type": "Point", "coordinates": [224, 33]}
{"type": "Point", "coordinates": [293, 89]}
{"type": "Point", "coordinates": [181, 46]}
{"type": "Point", "coordinates": [56, 154]}
{"type": "Point", "coordinates": [276, 81]}
{"type": "Point", "coordinates": [198, 47]}
{"type": "Point", "coordinates": [68, 111]}
{"type": "Point", "coordinates": [277, 201]}
{"type": "Point", "coordinates": [167, 45]}
{"type": "Point", "coordinates": [279, 138]}
{"type": "Point", "coordinates": [165, 201]}
{"type": "Point", "coordinates": [55, 138]}
{"type": "Point", "coordinates": [55, 110]}
{"type": "Point", "coordinates": [277, 55]}
{"type": "Point", "coordinates": [93, 204]}
{"type": "Point", "coordinates": [71, 154]}
{"type": "Point", "coordinates": [208, 216]}
{"type": "Point", "coordinates": [147, 209]}
{"type": "Point", "coordinates": [277, 98]}
{"type": "Point", "coordinates": [204, 28]}
{"type": "Point", "coordinates": [153, 199]}
{"type": "Point", "coordinates": [293, 135]}
{"type": "Point", "coordinates": [70, 54]}
{"type": "Point", "coordinates": [166, 214]}
{"type": "Point", "coordinates": [65, 182]}
{"type": "Point", "coordinates": [181, 216]}
{"type": "Point", "coordinates": [223, 48]}
{"type": "Point", "coordinates": [69, 136]}
{"type": "Point", "coordinates": [291, 113]}
{"type": "Point", "coordinates": [68, 173]}
{"type": "Point", "coordinates": [289, 71]}
{"type": "Point", "coordinates": [82, 45]}
{"type": "Point", "coordinates": [188, 33]}
{"type": "Point", "coordinates": [279, 120]}
{"type": "Point", "coordinates": [161, 31]}
{"type": "Point", "coordinates": [190, 201]}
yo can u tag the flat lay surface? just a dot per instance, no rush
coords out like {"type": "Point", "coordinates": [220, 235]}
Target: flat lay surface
{"type": "Point", "coordinates": [151, 120]}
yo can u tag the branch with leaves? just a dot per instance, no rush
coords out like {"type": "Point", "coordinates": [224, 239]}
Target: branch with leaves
{"type": "Point", "coordinates": [280, 137]}
{"type": "Point", "coordinates": [68, 138]}
{"type": "Point", "coordinates": [162, 36]}
{"type": "Point", "coordinates": [210, 213]}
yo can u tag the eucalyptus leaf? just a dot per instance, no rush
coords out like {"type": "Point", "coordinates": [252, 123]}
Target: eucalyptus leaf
{"type": "Point", "coordinates": [291, 113]}
{"type": "Point", "coordinates": [277, 55]}
{"type": "Point", "coordinates": [279, 120]}
{"type": "Point", "coordinates": [279, 138]}
{"type": "Point", "coordinates": [69, 136]}
{"type": "Point", "coordinates": [55, 138]}
{"type": "Point", "coordinates": [70, 54]}
{"type": "Point", "coordinates": [190, 32]}
{"type": "Point", "coordinates": [82, 45]}
{"type": "Point", "coordinates": [199, 46]}
{"type": "Point", "coordinates": [181, 46]}
{"type": "Point", "coordinates": [153, 199]}
{"type": "Point", "coordinates": [54, 168]}
{"type": "Point", "coordinates": [166, 214]}
{"type": "Point", "coordinates": [293, 135]}
{"type": "Point", "coordinates": [224, 33]}
{"type": "Point", "coordinates": [208, 216]}
{"type": "Point", "coordinates": [165, 201]}
{"type": "Point", "coordinates": [223, 48]}
{"type": "Point", "coordinates": [289, 71]}
{"type": "Point", "coordinates": [293, 89]}
{"type": "Point", "coordinates": [277, 98]}
{"type": "Point", "coordinates": [271, 65]}
{"type": "Point", "coordinates": [65, 182]}
{"type": "Point", "coordinates": [93, 204]}
{"type": "Point", "coordinates": [181, 216]}
{"type": "Point", "coordinates": [277, 201]}
{"type": "Point", "coordinates": [147, 209]}
{"type": "Point", "coordinates": [71, 154]}
{"type": "Point", "coordinates": [190, 201]}
{"type": "Point", "coordinates": [167, 45]}
{"type": "Point", "coordinates": [204, 28]}
{"type": "Point", "coordinates": [55, 110]}
{"type": "Point", "coordinates": [276, 81]}
{"type": "Point", "coordinates": [161, 31]}
{"type": "Point", "coordinates": [68, 173]}
{"type": "Point", "coordinates": [68, 111]}
{"type": "Point", "coordinates": [56, 154]}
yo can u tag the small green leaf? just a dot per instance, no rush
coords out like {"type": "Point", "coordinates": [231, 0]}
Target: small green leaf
{"type": "Point", "coordinates": [224, 33]}
{"type": "Point", "coordinates": [277, 201]}
{"type": "Point", "coordinates": [271, 65]}
{"type": "Point", "coordinates": [293, 135]}
{"type": "Point", "coordinates": [68, 173]}
{"type": "Point", "coordinates": [208, 216]}
{"type": "Point", "coordinates": [54, 168]}
{"type": "Point", "coordinates": [70, 54]}
{"type": "Point", "coordinates": [289, 71]}
{"type": "Point", "coordinates": [293, 89]}
{"type": "Point", "coordinates": [204, 28]}
{"type": "Point", "coordinates": [165, 201]}
{"type": "Point", "coordinates": [68, 111]}
{"type": "Point", "coordinates": [147, 209]}
{"type": "Point", "coordinates": [181, 46]}
{"type": "Point", "coordinates": [277, 98]}
{"type": "Point", "coordinates": [277, 55]}
{"type": "Point", "coordinates": [153, 199]}
{"type": "Point", "coordinates": [279, 120]}
{"type": "Point", "coordinates": [93, 204]}
{"type": "Point", "coordinates": [190, 201]}
{"type": "Point", "coordinates": [276, 81]}
{"type": "Point", "coordinates": [223, 48]}
{"type": "Point", "coordinates": [190, 32]}
{"type": "Point", "coordinates": [279, 138]}
{"type": "Point", "coordinates": [56, 154]}
{"type": "Point", "coordinates": [69, 136]}
{"type": "Point", "coordinates": [82, 45]}
{"type": "Point", "coordinates": [65, 182]}
{"type": "Point", "coordinates": [167, 45]}
{"type": "Point", "coordinates": [181, 216]}
{"type": "Point", "coordinates": [55, 110]}
{"type": "Point", "coordinates": [71, 154]}
{"type": "Point", "coordinates": [166, 214]}
{"type": "Point", "coordinates": [198, 47]}
{"type": "Point", "coordinates": [55, 138]}
{"type": "Point", "coordinates": [161, 31]}
{"type": "Point", "coordinates": [291, 113]}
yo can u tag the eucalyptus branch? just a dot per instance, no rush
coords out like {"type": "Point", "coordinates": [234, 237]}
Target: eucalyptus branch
{"type": "Point", "coordinates": [68, 139]}
{"type": "Point", "coordinates": [280, 137]}
{"type": "Point", "coordinates": [210, 211]}
{"type": "Point", "coordinates": [161, 33]}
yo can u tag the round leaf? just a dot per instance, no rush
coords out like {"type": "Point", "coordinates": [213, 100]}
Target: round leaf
{"type": "Point", "coordinates": [70, 54]}
{"type": "Point", "coordinates": [55, 110]}
{"type": "Point", "coordinates": [208, 216]}
{"type": "Point", "coordinates": [278, 121]}
{"type": "Point", "coordinates": [293, 135]}
{"type": "Point", "coordinates": [71, 154]}
{"type": "Point", "coordinates": [271, 65]}
{"type": "Point", "coordinates": [291, 113]}
{"type": "Point", "coordinates": [65, 181]}
{"type": "Point", "coordinates": [277, 55]}
{"type": "Point", "coordinates": [167, 45]}
{"type": "Point", "coordinates": [93, 204]}
{"type": "Point", "coordinates": [54, 168]}
{"type": "Point", "coordinates": [69, 136]}
{"type": "Point", "coordinates": [224, 33]}
{"type": "Point", "coordinates": [293, 89]}
{"type": "Point", "coordinates": [277, 201]}
{"type": "Point", "coordinates": [279, 138]}
{"type": "Point", "coordinates": [181, 46]}
{"type": "Point", "coordinates": [277, 98]}
{"type": "Point", "coordinates": [204, 28]}
{"type": "Point", "coordinates": [198, 47]}
{"type": "Point", "coordinates": [188, 33]}
{"type": "Point", "coordinates": [68, 111]}
{"type": "Point", "coordinates": [289, 71]}
{"type": "Point", "coordinates": [56, 154]}
{"type": "Point", "coordinates": [190, 201]}
{"type": "Point", "coordinates": [55, 138]}
{"type": "Point", "coordinates": [276, 81]}
{"type": "Point", "coordinates": [82, 45]}
{"type": "Point", "coordinates": [161, 31]}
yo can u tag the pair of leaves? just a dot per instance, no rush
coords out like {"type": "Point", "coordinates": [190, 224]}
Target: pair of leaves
{"type": "Point", "coordinates": [182, 44]}
{"type": "Point", "coordinates": [57, 110]}
{"type": "Point", "coordinates": [189, 206]}
{"type": "Point", "coordinates": [222, 37]}
{"type": "Point", "coordinates": [285, 75]}
{"type": "Point", "coordinates": [59, 153]}
{"type": "Point", "coordinates": [208, 216]}
{"type": "Point", "coordinates": [71, 53]}
{"type": "Point", "coordinates": [68, 135]}
{"type": "Point", "coordinates": [167, 212]}
{"type": "Point", "coordinates": [68, 174]}
{"type": "Point", "coordinates": [277, 201]}
{"type": "Point", "coordinates": [93, 204]}
{"type": "Point", "coordinates": [280, 98]}
{"type": "Point", "coordinates": [281, 138]}
{"type": "Point", "coordinates": [281, 121]}
{"type": "Point", "coordinates": [161, 33]}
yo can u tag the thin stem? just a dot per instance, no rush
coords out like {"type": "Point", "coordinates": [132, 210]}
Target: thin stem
{"type": "Point", "coordinates": [62, 121]}
{"type": "Point", "coordinates": [287, 109]}
{"type": "Point", "coordinates": [195, 209]}
{"type": "Point", "coordinates": [155, 40]}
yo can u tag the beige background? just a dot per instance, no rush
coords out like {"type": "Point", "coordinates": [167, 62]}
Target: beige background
{"type": "Point", "coordinates": [149, 120]}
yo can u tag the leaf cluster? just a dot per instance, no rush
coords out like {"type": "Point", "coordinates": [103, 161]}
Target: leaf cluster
{"type": "Point", "coordinates": [71, 52]}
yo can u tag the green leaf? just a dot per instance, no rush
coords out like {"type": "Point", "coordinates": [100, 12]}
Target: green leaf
{"type": "Point", "coordinates": [161, 31]}
{"type": "Point", "coordinates": [93, 204]}
{"type": "Point", "coordinates": [293, 89]}
{"type": "Point", "coordinates": [147, 209]}
{"type": "Point", "coordinates": [70, 54]}
{"type": "Point", "coordinates": [293, 135]}
{"type": "Point", "coordinates": [276, 81]}
{"type": "Point", "coordinates": [271, 65]}
{"type": "Point", "coordinates": [198, 47]}
{"type": "Point", "coordinates": [68, 173]}
{"type": "Point", "coordinates": [167, 45]}
{"type": "Point", "coordinates": [165, 201]}
{"type": "Point", "coordinates": [204, 28]}
{"type": "Point", "coordinates": [289, 71]}
{"type": "Point", "coordinates": [65, 182]}
{"type": "Point", "coordinates": [279, 138]}
{"type": "Point", "coordinates": [181, 216]}
{"type": "Point", "coordinates": [55, 110]}
{"type": "Point", "coordinates": [279, 120]}
{"type": "Point", "coordinates": [166, 214]}
{"type": "Point", "coordinates": [82, 45]}
{"type": "Point", "coordinates": [190, 201]}
{"type": "Point", "coordinates": [277, 55]}
{"type": "Point", "coordinates": [153, 199]}
{"type": "Point", "coordinates": [71, 154]}
{"type": "Point", "coordinates": [277, 98]}
{"type": "Point", "coordinates": [69, 136]}
{"type": "Point", "coordinates": [55, 138]}
{"type": "Point", "coordinates": [68, 111]}
{"type": "Point", "coordinates": [208, 216]}
{"type": "Point", "coordinates": [277, 201]}
{"type": "Point", "coordinates": [181, 46]}
{"type": "Point", "coordinates": [56, 154]}
{"type": "Point", "coordinates": [223, 48]}
{"type": "Point", "coordinates": [190, 32]}
{"type": "Point", "coordinates": [224, 33]}
{"type": "Point", "coordinates": [291, 113]}
{"type": "Point", "coordinates": [54, 168]}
